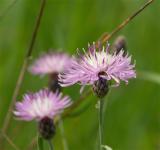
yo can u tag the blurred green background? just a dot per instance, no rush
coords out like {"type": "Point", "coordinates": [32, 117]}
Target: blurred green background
{"type": "Point", "coordinates": [132, 118]}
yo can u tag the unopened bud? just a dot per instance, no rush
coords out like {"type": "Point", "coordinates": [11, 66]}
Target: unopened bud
{"type": "Point", "coordinates": [119, 44]}
{"type": "Point", "coordinates": [101, 87]}
{"type": "Point", "coordinates": [46, 128]}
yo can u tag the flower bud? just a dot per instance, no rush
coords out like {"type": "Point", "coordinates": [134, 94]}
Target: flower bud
{"type": "Point", "coordinates": [119, 44]}
{"type": "Point", "coordinates": [101, 87]}
{"type": "Point", "coordinates": [46, 128]}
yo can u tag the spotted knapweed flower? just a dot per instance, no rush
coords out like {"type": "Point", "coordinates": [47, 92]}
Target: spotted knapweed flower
{"type": "Point", "coordinates": [49, 63]}
{"type": "Point", "coordinates": [98, 67]}
{"type": "Point", "coordinates": [42, 106]}
{"type": "Point", "coordinates": [52, 64]}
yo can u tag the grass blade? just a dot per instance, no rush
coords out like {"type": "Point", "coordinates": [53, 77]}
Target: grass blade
{"type": "Point", "coordinates": [149, 76]}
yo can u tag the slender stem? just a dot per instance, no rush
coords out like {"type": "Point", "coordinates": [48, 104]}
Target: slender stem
{"type": "Point", "coordinates": [24, 67]}
{"type": "Point", "coordinates": [50, 145]}
{"type": "Point", "coordinates": [10, 6]}
{"type": "Point", "coordinates": [39, 142]}
{"type": "Point", "coordinates": [32, 144]}
{"type": "Point", "coordinates": [100, 120]}
{"type": "Point", "coordinates": [107, 36]}
{"type": "Point", "coordinates": [9, 141]}
{"type": "Point", "coordinates": [64, 140]}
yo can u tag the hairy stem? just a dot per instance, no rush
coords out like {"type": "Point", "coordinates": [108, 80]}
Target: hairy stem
{"type": "Point", "coordinates": [24, 67]}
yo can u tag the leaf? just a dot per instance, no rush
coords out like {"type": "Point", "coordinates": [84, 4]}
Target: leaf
{"type": "Point", "coordinates": [40, 143]}
{"type": "Point", "coordinates": [82, 108]}
{"type": "Point", "coordinates": [106, 147]}
{"type": "Point", "coordinates": [149, 76]}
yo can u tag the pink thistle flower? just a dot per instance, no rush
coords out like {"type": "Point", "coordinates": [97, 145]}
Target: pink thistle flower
{"type": "Point", "coordinates": [50, 63]}
{"type": "Point", "coordinates": [40, 105]}
{"type": "Point", "coordinates": [95, 65]}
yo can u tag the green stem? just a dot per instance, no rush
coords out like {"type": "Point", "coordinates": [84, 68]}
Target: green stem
{"type": "Point", "coordinates": [40, 142]}
{"type": "Point", "coordinates": [100, 118]}
{"type": "Point", "coordinates": [64, 140]}
{"type": "Point", "coordinates": [50, 144]}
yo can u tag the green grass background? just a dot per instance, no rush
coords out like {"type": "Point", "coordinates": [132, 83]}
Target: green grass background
{"type": "Point", "coordinates": [132, 119]}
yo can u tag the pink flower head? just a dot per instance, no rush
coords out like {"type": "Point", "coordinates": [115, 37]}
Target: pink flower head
{"type": "Point", "coordinates": [50, 63]}
{"type": "Point", "coordinates": [40, 105]}
{"type": "Point", "coordinates": [94, 65]}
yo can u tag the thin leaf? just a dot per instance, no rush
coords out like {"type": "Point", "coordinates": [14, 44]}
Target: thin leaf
{"type": "Point", "coordinates": [149, 76]}
{"type": "Point", "coordinates": [81, 109]}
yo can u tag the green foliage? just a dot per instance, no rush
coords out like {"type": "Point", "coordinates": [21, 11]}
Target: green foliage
{"type": "Point", "coordinates": [132, 119]}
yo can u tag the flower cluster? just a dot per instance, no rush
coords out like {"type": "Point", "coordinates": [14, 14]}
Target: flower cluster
{"type": "Point", "coordinates": [44, 105]}
{"type": "Point", "coordinates": [96, 67]}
